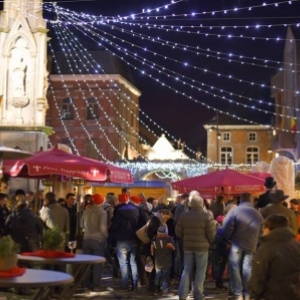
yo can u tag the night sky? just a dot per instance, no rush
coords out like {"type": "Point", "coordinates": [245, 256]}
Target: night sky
{"type": "Point", "coordinates": [181, 117]}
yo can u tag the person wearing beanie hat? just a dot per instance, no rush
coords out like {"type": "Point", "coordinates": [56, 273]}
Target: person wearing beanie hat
{"type": "Point", "coordinates": [124, 224]}
{"type": "Point", "coordinates": [197, 230]}
{"type": "Point", "coordinates": [161, 248]}
{"type": "Point", "coordinates": [98, 199]}
{"type": "Point", "coordinates": [220, 219]}
{"type": "Point", "coordinates": [94, 224]}
{"type": "Point", "coordinates": [136, 200]}
{"type": "Point", "coordinates": [123, 198]}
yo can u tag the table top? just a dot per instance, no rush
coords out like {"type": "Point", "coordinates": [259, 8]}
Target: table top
{"type": "Point", "coordinates": [37, 278]}
{"type": "Point", "coordinates": [77, 259]}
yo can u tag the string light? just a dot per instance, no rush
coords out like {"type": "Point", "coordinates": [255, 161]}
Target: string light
{"type": "Point", "coordinates": [94, 18]}
{"type": "Point", "coordinates": [196, 50]}
{"type": "Point", "coordinates": [70, 46]}
{"type": "Point", "coordinates": [217, 74]}
{"type": "Point", "coordinates": [220, 75]}
{"type": "Point", "coordinates": [73, 40]}
{"type": "Point", "coordinates": [192, 98]}
{"type": "Point", "coordinates": [199, 89]}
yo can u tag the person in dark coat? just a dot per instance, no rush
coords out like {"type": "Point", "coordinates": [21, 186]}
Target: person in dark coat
{"type": "Point", "coordinates": [276, 267]}
{"type": "Point", "coordinates": [264, 199]}
{"type": "Point", "coordinates": [4, 212]}
{"type": "Point", "coordinates": [158, 219]}
{"type": "Point", "coordinates": [72, 210]}
{"type": "Point", "coordinates": [161, 248]}
{"type": "Point", "coordinates": [25, 227]}
{"type": "Point", "coordinates": [217, 208]}
{"type": "Point", "coordinates": [277, 207]}
{"type": "Point", "coordinates": [124, 224]}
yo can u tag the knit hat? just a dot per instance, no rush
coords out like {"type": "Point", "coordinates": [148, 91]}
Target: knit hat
{"type": "Point", "coordinates": [136, 199]}
{"type": "Point", "coordinates": [196, 201]}
{"type": "Point", "coordinates": [161, 229]}
{"type": "Point", "coordinates": [98, 199]}
{"type": "Point", "coordinates": [220, 219]}
{"type": "Point", "coordinates": [123, 198]}
{"type": "Point", "coordinates": [20, 192]}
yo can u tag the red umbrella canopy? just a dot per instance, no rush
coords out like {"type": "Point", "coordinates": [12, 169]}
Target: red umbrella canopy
{"type": "Point", "coordinates": [225, 181]}
{"type": "Point", "coordinates": [58, 162]}
{"type": "Point", "coordinates": [263, 175]}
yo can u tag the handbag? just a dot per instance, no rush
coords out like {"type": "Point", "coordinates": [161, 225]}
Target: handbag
{"type": "Point", "coordinates": [142, 234]}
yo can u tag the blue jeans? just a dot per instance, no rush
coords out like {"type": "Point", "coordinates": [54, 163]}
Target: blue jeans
{"type": "Point", "coordinates": [162, 278]}
{"type": "Point", "coordinates": [93, 247]}
{"type": "Point", "coordinates": [126, 253]}
{"type": "Point", "coordinates": [239, 271]}
{"type": "Point", "coordinates": [193, 261]}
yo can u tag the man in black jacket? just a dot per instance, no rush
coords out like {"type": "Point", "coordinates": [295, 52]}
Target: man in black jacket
{"type": "Point", "coordinates": [25, 227]}
{"type": "Point", "coordinates": [264, 199]}
{"type": "Point", "coordinates": [124, 224]}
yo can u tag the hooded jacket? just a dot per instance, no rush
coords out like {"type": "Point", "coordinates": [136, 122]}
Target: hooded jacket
{"type": "Point", "coordinates": [125, 222]}
{"type": "Point", "coordinates": [94, 223]}
{"type": "Point", "coordinates": [275, 271]}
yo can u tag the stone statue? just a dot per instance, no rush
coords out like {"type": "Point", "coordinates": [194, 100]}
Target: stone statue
{"type": "Point", "coordinates": [19, 76]}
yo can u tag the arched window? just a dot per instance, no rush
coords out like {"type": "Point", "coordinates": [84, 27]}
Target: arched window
{"type": "Point", "coordinates": [252, 155]}
{"type": "Point", "coordinates": [92, 111]}
{"type": "Point", "coordinates": [226, 155]}
{"type": "Point", "coordinates": [67, 112]}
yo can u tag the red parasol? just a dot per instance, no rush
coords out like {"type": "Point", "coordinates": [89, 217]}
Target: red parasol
{"type": "Point", "coordinates": [58, 162]}
{"type": "Point", "coordinates": [263, 175]}
{"type": "Point", "coordinates": [225, 181]}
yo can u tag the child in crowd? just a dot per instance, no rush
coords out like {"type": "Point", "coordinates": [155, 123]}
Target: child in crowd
{"type": "Point", "coordinates": [220, 252]}
{"type": "Point", "coordinates": [161, 248]}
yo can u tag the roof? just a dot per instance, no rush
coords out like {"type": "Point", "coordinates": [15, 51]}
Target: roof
{"type": "Point", "coordinates": [99, 62]}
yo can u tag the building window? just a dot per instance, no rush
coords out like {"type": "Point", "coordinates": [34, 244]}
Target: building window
{"type": "Point", "coordinates": [92, 111]}
{"type": "Point", "coordinates": [226, 137]}
{"type": "Point", "coordinates": [252, 155]}
{"type": "Point", "coordinates": [252, 137]}
{"type": "Point", "coordinates": [67, 112]}
{"type": "Point", "coordinates": [226, 155]}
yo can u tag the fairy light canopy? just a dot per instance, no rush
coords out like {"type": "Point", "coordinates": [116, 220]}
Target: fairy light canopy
{"type": "Point", "coordinates": [175, 48]}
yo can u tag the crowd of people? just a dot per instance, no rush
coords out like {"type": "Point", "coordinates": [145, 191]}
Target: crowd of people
{"type": "Point", "coordinates": [150, 243]}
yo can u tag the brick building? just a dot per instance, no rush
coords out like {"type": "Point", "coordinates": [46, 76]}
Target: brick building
{"type": "Point", "coordinates": [95, 114]}
{"type": "Point", "coordinates": [232, 141]}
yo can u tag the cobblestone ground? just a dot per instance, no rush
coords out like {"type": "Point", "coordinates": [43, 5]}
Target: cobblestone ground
{"type": "Point", "coordinates": [110, 291]}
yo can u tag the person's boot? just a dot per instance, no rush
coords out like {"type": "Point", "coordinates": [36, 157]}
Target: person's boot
{"type": "Point", "coordinates": [156, 290]}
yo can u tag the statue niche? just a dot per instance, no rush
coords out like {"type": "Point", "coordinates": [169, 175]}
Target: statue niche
{"type": "Point", "coordinates": [18, 74]}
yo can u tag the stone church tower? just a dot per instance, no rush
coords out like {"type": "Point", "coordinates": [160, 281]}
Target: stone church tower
{"type": "Point", "coordinates": [23, 75]}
